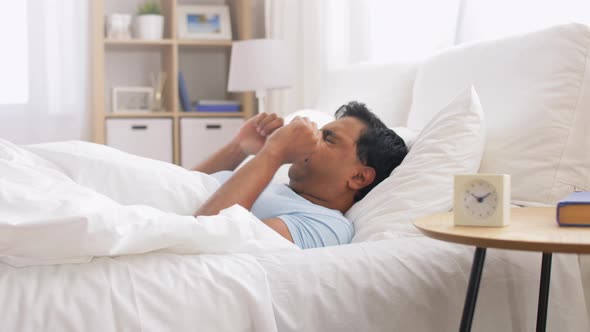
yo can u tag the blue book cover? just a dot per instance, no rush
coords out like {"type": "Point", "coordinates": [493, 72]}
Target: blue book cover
{"type": "Point", "coordinates": [216, 102]}
{"type": "Point", "coordinates": [183, 93]}
{"type": "Point", "coordinates": [574, 209]}
{"type": "Point", "coordinates": [216, 108]}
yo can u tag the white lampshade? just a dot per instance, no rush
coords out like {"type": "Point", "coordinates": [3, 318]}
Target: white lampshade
{"type": "Point", "coordinates": [258, 65]}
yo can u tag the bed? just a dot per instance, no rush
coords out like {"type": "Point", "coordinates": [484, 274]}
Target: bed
{"type": "Point", "coordinates": [147, 277]}
{"type": "Point", "coordinates": [406, 284]}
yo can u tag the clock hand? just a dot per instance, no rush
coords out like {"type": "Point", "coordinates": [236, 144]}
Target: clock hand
{"type": "Point", "coordinates": [479, 199]}
{"type": "Point", "coordinates": [484, 197]}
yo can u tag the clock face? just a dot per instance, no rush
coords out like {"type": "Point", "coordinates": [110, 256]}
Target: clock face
{"type": "Point", "coordinates": [480, 199]}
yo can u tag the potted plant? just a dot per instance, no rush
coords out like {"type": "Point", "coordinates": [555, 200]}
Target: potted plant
{"type": "Point", "coordinates": [149, 23]}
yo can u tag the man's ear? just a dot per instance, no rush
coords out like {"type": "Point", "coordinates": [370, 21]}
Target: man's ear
{"type": "Point", "coordinates": [364, 176]}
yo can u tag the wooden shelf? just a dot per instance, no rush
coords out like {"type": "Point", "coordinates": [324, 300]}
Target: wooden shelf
{"type": "Point", "coordinates": [204, 43]}
{"type": "Point", "coordinates": [170, 49]}
{"type": "Point", "coordinates": [140, 115]}
{"type": "Point", "coordinates": [211, 114]}
{"type": "Point", "coordinates": [163, 42]}
{"type": "Point", "coordinates": [138, 42]}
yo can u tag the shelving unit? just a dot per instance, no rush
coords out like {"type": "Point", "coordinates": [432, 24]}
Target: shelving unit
{"type": "Point", "coordinates": [168, 51]}
{"type": "Point", "coordinates": [138, 42]}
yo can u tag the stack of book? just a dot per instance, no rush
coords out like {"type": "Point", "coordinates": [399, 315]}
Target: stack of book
{"type": "Point", "coordinates": [216, 106]}
{"type": "Point", "coordinates": [203, 105]}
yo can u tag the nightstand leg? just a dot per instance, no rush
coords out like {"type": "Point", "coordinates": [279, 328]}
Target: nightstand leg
{"type": "Point", "coordinates": [544, 292]}
{"type": "Point", "coordinates": [472, 289]}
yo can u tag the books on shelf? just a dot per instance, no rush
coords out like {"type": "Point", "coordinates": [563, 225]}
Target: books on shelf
{"type": "Point", "coordinates": [217, 102]}
{"type": "Point", "coordinates": [574, 209]}
{"type": "Point", "coordinates": [204, 105]}
{"type": "Point", "coordinates": [216, 106]}
{"type": "Point", "coordinates": [183, 93]}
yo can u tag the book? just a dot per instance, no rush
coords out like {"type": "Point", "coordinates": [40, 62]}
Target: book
{"type": "Point", "coordinates": [216, 108]}
{"type": "Point", "coordinates": [574, 209]}
{"type": "Point", "coordinates": [183, 93]}
{"type": "Point", "coordinates": [216, 102]}
{"type": "Point", "coordinates": [223, 108]}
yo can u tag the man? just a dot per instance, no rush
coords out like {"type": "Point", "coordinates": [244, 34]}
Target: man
{"type": "Point", "coordinates": [332, 169]}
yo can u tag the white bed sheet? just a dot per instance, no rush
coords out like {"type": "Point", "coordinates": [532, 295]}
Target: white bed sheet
{"type": "Point", "coordinates": [418, 284]}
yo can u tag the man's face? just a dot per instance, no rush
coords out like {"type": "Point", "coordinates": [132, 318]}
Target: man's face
{"type": "Point", "coordinates": [333, 163]}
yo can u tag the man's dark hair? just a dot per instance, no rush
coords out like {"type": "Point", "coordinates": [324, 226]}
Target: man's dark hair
{"type": "Point", "coordinates": [377, 146]}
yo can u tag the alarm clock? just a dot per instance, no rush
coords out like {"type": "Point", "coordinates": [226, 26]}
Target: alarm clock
{"type": "Point", "coordinates": [481, 200]}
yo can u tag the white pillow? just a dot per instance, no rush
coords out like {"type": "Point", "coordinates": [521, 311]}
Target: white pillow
{"type": "Point", "coordinates": [319, 117]}
{"type": "Point", "coordinates": [535, 91]}
{"type": "Point", "coordinates": [452, 142]}
{"type": "Point", "coordinates": [408, 135]}
{"type": "Point", "coordinates": [129, 179]}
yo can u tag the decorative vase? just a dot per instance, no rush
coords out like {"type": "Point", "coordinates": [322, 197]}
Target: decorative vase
{"type": "Point", "coordinates": [149, 26]}
{"type": "Point", "coordinates": [118, 26]}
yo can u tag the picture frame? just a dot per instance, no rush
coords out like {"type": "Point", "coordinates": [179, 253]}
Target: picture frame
{"type": "Point", "coordinates": [132, 99]}
{"type": "Point", "coordinates": [204, 22]}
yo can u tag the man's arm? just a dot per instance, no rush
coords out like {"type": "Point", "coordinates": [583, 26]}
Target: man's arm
{"type": "Point", "coordinates": [249, 140]}
{"type": "Point", "coordinates": [288, 144]}
{"type": "Point", "coordinates": [280, 227]}
{"type": "Point", "coordinates": [227, 158]}
{"type": "Point", "coordinates": [244, 187]}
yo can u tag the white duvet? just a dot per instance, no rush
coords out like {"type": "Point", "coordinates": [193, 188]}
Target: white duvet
{"type": "Point", "coordinates": [72, 201]}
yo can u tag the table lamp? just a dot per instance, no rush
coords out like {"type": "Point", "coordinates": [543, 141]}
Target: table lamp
{"type": "Point", "coordinates": [259, 65]}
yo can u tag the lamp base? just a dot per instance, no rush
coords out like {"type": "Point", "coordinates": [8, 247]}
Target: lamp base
{"type": "Point", "coordinates": [260, 96]}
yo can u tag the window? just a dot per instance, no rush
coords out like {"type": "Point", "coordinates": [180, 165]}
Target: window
{"type": "Point", "coordinates": [377, 31]}
{"type": "Point", "coordinates": [14, 61]}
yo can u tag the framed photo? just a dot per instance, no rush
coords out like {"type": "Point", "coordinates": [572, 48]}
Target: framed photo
{"type": "Point", "coordinates": [204, 22]}
{"type": "Point", "coordinates": [132, 99]}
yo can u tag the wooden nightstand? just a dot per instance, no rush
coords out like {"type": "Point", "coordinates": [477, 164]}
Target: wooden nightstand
{"type": "Point", "coordinates": [532, 229]}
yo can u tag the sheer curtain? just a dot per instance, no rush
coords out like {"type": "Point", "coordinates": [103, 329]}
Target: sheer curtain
{"type": "Point", "coordinates": [328, 36]}
{"type": "Point", "coordinates": [378, 31]}
{"type": "Point", "coordinates": [299, 23]}
{"type": "Point", "coordinates": [49, 101]}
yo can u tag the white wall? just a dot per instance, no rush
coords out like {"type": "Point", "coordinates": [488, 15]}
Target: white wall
{"type": "Point", "coordinates": [484, 19]}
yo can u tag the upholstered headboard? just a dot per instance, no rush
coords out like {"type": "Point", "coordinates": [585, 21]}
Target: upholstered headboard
{"type": "Point", "coordinates": [535, 93]}
{"type": "Point", "coordinates": [385, 88]}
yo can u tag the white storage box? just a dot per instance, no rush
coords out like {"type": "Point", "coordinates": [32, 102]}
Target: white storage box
{"type": "Point", "coordinates": [200, 138]}
{"type": "Point", "coordinates": [151, 138]}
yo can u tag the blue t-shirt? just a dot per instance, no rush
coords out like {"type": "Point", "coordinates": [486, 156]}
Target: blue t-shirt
{"type": "Point", "coordinates": [310, 225]}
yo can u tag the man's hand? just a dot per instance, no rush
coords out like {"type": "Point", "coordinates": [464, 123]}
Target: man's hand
{"type": "Point", "coordinates": [293, 142]}
{"type": "Point", "coordinates": [253, 134]}
{"type": "Point", "coordinates": [287, 144]}
{"type": "Point", "coordinates": [249, 140]}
